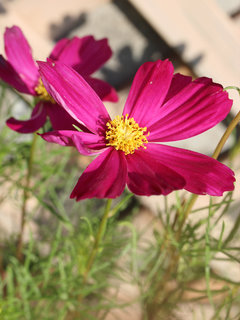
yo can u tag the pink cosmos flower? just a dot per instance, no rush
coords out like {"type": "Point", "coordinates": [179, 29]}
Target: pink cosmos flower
{"type": "Point", "coordinates": [160, 107]}
{"type": "Point", "coordinates": [85, 55]}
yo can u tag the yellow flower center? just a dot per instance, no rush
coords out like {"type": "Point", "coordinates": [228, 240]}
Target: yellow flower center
{"type": "Point", "coordinates": [42, 92]}
{"type": "Point", "coordinates": [124, 134]}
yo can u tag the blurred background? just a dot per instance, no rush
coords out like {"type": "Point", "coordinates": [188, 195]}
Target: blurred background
{"type": "Point", "coordinates": [201, 38]}
{"type": "Point", "coordinates": [204, 35]}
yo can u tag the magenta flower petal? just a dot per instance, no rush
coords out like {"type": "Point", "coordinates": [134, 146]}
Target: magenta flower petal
{"type": "Point", "coordinates": [60, 119]}
{"type": "Point", "coordinates": [203, 175]}
{"type": "Point", "coordinates": [103, 89]}
{"type": "Point", "coordinates": [147, 175]}
{"type": "Point", "coordinates": [19, 55]}
{"type": "Point", "coordinates": [37, 120]}
{"type": "Point", "coordinates": [86, 143]}
{"type": "Point", "coordinates": [10, 76]}
{"type": "Point", "coordinates": [105, 177]}
{"type": "Point", "coordinates": [59, 48]}
{"type": "Point", "coordinates": [196, 108]}
{"type": "Point", "coordinates": [149, 89]}
{"type": "Point", "coordinates": [74, 94]}
{"type": "Point", "coordinates": [86, 55]}
{"type": "Point", "coordinates": [179, 81]}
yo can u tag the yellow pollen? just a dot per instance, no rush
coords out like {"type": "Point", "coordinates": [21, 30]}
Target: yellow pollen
{"type": "Point", "coordinates": [42, 92]}
{"type": "Point", "coordinates": [124, 134]}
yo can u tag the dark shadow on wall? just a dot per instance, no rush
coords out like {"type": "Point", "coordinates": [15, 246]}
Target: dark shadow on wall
{"type": "Point", "coordinates": [68, 24]}
{"type": "Point", "coordinates": [128, 65]}
{"type": "Point", "coordinates": [2, 9]}
{"type": "Point", "coordinates": [3, 3]}
{"type": "Point", "coordinates": [125, 65]}
{"type": "Point", "coordinates": [179, 49]}
{"type": "Point", "coordinates": [157, 43]}
{"type": "Point", "coordinates": [156, 48]}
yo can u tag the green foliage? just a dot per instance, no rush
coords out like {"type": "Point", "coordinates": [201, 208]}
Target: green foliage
{"type": "Point", "coordinates": [49, 285]}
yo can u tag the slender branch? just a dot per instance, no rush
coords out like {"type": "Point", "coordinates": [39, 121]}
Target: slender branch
{"type": "Point", "coordinates": [226, 135]}
{"type": "Point", "coordinates": [100, 234]}
{"type": "Point", "coordinates": [98, 238]}
{"type": "Point", "coordinates": [233, 88]}
{"type": "Point", "coordinates": [25, 198]}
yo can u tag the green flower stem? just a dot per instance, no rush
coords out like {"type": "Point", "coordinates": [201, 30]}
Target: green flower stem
{"type": "Point", "coordinates": [233, 88]}
{"type": "Point", "coordinates": [119, 205]}
{"type": "Point", "coordinates": [98, 239]}
{"type": "Point", "coordinates": [108, 213]}
{"type": "Point", "coordinates": [226, 135]}
{"type": "Point", "coordinates": [25, 197]}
